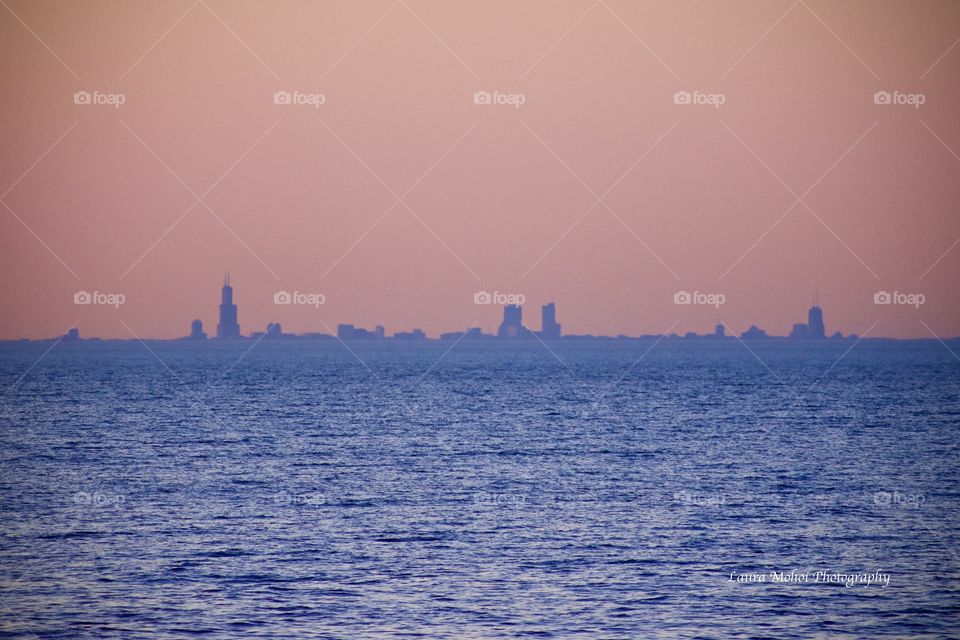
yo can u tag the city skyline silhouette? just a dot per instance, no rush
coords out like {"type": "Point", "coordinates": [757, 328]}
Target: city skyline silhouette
{"type": "Point", "coordinates": [751, 156]}
{"type": "Point", "coordinates": [511, 326]}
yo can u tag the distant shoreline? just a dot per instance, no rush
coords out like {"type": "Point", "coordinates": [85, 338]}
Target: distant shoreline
{"type": "Point", "coordinates": [487, 340]}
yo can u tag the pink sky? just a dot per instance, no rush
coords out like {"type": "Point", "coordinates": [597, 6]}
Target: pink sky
{"type": "Point", "coordinates": [493, 197]}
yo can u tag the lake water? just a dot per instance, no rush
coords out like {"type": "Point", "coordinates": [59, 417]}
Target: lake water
{"type": "Point", "coordinates": [575, 490]}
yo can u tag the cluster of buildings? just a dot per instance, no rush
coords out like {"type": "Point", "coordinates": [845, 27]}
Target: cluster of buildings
{"type": "Point", "coordinates": [228, 326]}
{"type": "Point", "coordinates": [813, 329]}
{"type": "Point", "coordinates": [511, 327]}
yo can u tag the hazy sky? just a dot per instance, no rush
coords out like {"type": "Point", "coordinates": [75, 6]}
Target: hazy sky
{"type": "Point", "coordinates": [399, 197]}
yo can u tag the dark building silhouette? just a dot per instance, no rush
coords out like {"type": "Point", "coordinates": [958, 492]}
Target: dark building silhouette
{"type": "Point", "coordinates": [549, 328]}
{"type": "Point", "coordinates": [814, 328]}
{"type": "Point", "coordinates": [720, 331]}
{"type": "Point", "coordinates": [754, 332]}
{"type": "Point", "coordinates": [512, 321]}
{"type": "Point", "coordinates": [196, 331]}
{"type": "Point", "coordinates": [512, 325]}
{"type": "Point", "coordinates": [350, 332]}
{"type": "Point", "coordinates": [274, 331]}
{"type": "Point", "coordinates": [799, 331]}
{"type": "Point", "coordinates": [228, 327]}
{"type": "Point", "coordinates": [72, 335]}
{"type": "Point", "coordinates": [416, 334]}
{"type": "Point", "coordinates": [473, 333]}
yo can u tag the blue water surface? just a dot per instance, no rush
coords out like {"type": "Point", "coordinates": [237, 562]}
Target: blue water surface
{"type": "Point", "coordinates": [311, 489]}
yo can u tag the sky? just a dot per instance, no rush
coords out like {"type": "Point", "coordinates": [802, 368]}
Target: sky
{"type": "Point", "coordinates": [390, 185]}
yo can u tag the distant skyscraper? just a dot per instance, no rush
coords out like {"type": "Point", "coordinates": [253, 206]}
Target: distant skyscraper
{"type": "Point", "coordinates": [815, 327]}
{"type": "Point", "coordinates": [548, 325]}
{"type": "Point", "coordinates": [720, 331]}
{"type": "Point", "coordinates": [196, 331]}
{"type": "Point", "coordinates": [512, 325]}
{"type": "Point", "coordinates": [228, 327]}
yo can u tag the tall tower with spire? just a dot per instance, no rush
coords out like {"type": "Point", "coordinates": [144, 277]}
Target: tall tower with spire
{"type": "Point", "coordinates": [228, 327]}
{"type": "Point", "coordinates": [815, 327]}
